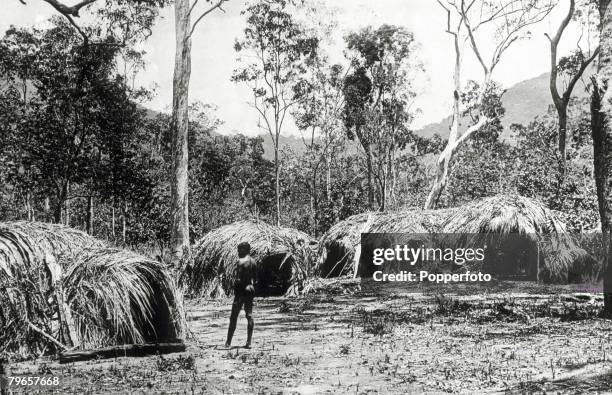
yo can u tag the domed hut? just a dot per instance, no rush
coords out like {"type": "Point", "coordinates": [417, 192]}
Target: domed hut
{"type": "Point", "coordinates": [526, 237]}
{"type": "Point", "coordinates": [284, 256]}
{"type": "Point", "coordinates": [340, 246]}
{"type": "Point", "coordinates": [63, 289]}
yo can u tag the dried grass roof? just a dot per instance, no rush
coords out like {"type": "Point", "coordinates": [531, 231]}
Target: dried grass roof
{"type": "Point", "coordinates": [23, 244]}
{"type": "Point", "coordinates": [120, 297]}
{"type": "Point", "coordinates": [342, 239]}
{"type": "Point", "coordinates": [215, 255]}
{"type": "Point", "coordinates": [503, 214]}
{"type": "Point", "coordinates": [50, 274]}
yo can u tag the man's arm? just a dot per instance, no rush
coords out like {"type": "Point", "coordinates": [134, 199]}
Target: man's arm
{"type": "Point", "coordinates": [253, 272]}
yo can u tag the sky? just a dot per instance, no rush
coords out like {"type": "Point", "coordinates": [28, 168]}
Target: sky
{"type": "Point", "coordinates": [213, 56]}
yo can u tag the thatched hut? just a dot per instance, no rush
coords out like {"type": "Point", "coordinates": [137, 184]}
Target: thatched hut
{"type": "Point", "coordinates": [503, 214]}
{"type": "Point", "coordinates": [339, 247]}
{"type": "Point", "coordinates": [61, 288]}
{"type": "Point", "coordinates": [511, 222]}
{"type": "Point", "coordinates": [284, 259]}
{"type": "Point", "coordinates": [504, 220]}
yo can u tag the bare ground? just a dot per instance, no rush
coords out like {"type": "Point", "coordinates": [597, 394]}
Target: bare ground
{"type": "Point", "coordinates": [371, 343]}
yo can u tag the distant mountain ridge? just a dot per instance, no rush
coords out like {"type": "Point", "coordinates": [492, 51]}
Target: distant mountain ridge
{"type": "Point", "coordinates": [523, 102]}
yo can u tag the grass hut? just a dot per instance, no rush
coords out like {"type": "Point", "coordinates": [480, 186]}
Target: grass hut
{"type": "Point", "coordinates": [520, 217]}
{"type": "Point", "coordinates": [63, 289]}
{"type": "Point", "coordinates": [339, 247]}
{"type": "Point", "coordinates": [121, 297]}
{"type": "Point", "coordinates": [284, 259]}
{"type": "Point", "coordinates": [503, 214]}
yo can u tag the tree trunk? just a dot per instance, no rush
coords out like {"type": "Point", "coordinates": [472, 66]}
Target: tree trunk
{"type": "Point", "coordinates": [28, 206]}
{"type": "Point", "coordinates": [315, 203]}
{"type": "Point", "coordinates": [328, 178]}
{"type": "Point", "coordinates": [443, 164]}
{"type": "Point", "coordinates": [90, 215]}
{"type": "Point", "coordinates": [124, 222]}
{"type": "Point", "coordinates": [370, 185]}
{"type": "Point", "coordinates": [277, 181]}
{"type": "Point", "coordinates": [67, 205]}
{"type": "Point", "coordinates": [601, 124]}
{"type": "Point", "coordinates": [57, 213]}
{"type": "Point", "coordinates": [59, 206]}
{"type": "Point", "coordinates": [180, 124]}
{"type": "Point", "coordinates": [113, 218]}
{"type": "Point", "coordinates": [562, 113]}
{"type": "Point", "coordinates": [384, 181]}
{"type": "Point", "coordinates": [393, 186]}
{"type": "Point", "coordinates": [446, 155]}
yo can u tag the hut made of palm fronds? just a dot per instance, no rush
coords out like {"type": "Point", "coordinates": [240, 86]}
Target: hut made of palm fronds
{"type": "Point", "coordinates": [284, 256]}
{"type": "Point", "coordinates": [120, 297]}
{"type": "Point", "coordinates": [509, 224]}
{"type": "Point", "coordinates": [63, 289]}
{"type": "Point", "coordinates": [339, 247]}
{"type": "Point", "coordinates": [503, 214]}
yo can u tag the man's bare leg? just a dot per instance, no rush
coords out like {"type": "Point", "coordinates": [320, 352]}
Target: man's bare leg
{"type": "Point", "coordinates": [232, 324]}
{"type": "Point", "coordinates": [248, 312]}
{"type": "Point", "coordinates": [250, 327]}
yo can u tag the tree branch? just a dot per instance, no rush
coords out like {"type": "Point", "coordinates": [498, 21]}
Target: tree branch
{"type": "Point", "coordinates": [195, 2]}
{"type": "Point", "coordinates": [217, 5]}
{"type": "Point", "coordinates": [68, 10]}
{"type": "Point", "coordinates": [570, 87]}
{"type": "Point", "coordinates": [452, 147]}
{"type": "Point", "coordinates": [46, 335]}
{"type": "Point", "coordinates": [468, 27]}
{"type": "Point", "coordinates": [78, 29]}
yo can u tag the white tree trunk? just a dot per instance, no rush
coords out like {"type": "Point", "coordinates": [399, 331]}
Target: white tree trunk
{"type": "Point", "coordinates": [180, 125]}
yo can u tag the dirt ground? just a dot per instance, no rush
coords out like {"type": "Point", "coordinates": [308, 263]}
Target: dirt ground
{"type": "Point", "coordinates": [371, 343]}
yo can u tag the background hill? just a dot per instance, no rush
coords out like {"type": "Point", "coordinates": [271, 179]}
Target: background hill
{"type": "Point", "coordinates": [523, 102]}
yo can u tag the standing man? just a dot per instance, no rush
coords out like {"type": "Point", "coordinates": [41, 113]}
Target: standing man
{"type": "Point", "coordinates": [244, 292]}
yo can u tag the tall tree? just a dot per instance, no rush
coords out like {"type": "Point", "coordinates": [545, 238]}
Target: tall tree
{"type": "Point", "coordinates": [601, 125]}
{"type": "Point", "coordinates": [572, 67]}
{"type": "Point", "coordinates": [62, 125]}
{"type": "Point", "coordinates": [179, 183]}
{"type": "Point", "coordinates": [378, 98]}
{"type": "Point", "coordinates": [467, 21]}
{"type": "Point", "coordinates": [280, 48]}
{"type": "Point", "coordinates": [319, 118]}
{"type": "Point", "coordinates": [113, 24]}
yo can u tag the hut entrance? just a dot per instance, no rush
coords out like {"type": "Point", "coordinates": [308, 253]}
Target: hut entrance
{"type": "Point", "coordinates": [161, 327]}
{"type": "Point", "coordinates": [335, 261]}
{"type": "Point", "coordinates": [273, 275]}
{"type": "Point", "coordinates": [511, 257]}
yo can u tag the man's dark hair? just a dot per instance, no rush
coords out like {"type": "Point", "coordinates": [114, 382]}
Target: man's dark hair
{"type": "Point", "coordinates": [244, 249]}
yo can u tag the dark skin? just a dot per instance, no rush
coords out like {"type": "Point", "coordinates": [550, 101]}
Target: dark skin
{"type": "Point", "coordinates": [244, 293]}
{"type": "Point", "coordinates": [245, 272]}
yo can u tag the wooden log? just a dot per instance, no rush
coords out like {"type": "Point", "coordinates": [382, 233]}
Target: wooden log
{"type": "Point", "coordinates": [66, 322]}
{"type": "Point", "coordinates": [127, 350]}
{"type": "Point", "coordinates": [46, 335]}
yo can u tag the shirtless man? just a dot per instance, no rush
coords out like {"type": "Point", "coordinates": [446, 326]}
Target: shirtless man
{"type": "Point", "coordinates": [244, 292]}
